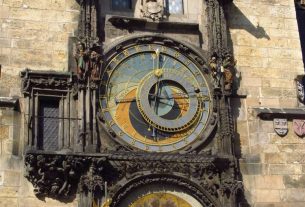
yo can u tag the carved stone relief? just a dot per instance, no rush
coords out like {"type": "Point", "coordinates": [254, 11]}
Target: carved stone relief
{"type": "Point", "coordinates": [59, 176]}
{"type": "Point", "coordinates": [280, 126]}
{"type": "Point", "coordinates": [153, 9]}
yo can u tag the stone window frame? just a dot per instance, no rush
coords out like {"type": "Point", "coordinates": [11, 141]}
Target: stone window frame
{"type": "Point", "coordinates": [39, 95]}
{"type": "Point", "coordinates": [39, 86]}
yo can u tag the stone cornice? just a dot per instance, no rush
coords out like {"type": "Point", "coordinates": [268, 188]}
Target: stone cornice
{"type": "Point", "coordinates": [9, 102]}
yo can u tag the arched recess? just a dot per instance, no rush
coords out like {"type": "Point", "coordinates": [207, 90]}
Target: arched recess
{"type": "Point", "coordinates": [134, 190]}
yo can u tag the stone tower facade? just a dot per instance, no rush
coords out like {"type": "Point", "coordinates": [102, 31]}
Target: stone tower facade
{"type": "Point", "coordinates": [257, 147]}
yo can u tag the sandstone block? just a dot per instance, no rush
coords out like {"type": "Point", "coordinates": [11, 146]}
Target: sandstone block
{"type": "Point", "coordinates": [8, 202]}
{"type": "Point", "coordinates": [252, 158]}
{"type": "Point", "coordinates": [269, 182]}
{"type": "Point", "coordinates": [72, 5]}
{"type": "Point", "coordinates": [291, 24]}
{"type": "Point", "coordinates": [257, 82]}
{"type": "Point", "coordinates": [34, 4]}
{"type": "Point", "coordinates": [259, 139]}
{"type": "Point", "coordinates": [251, 91]}
{"type": "Point", "coordinates": [282, 83]}
{"type": "Point", "coordinates": [267, 196]}
{"type": "Point", "coordinates": [34, 25]}
{"type": "Point", "coordinates": [1, 177]}
{"type": "Point", "coordinates": [253, 102]}
{"type": "Point", "coordinates": [275, 158]}
{"type": "Point", "coordinates": [270, 102]}
{"type": "Point", "coordinates": [298, 157]}
{"type": "Point", "coordinates": [34, 202]}
{"type": "Point", "coordinates": [11, 178]}
{"type": "Point", "coordinates": [7, 147]}
{"type": "Point", "coordinates": [266, 126]}
{"type": "Point", "coordinates": [5, 42]}
{"type": "Point", "coordinates": [294, 181]}
{"type": "Point", "coordinates": [268, 205]}
{"type": "Point", "coordinates": [267, 22]}
{"type": "Point", "coordinates": [242, 128]}
{"type": "Point", "coordinates": [284, 169]}
{"type": "Point", "coordinates": [250, 51]}
{"type": "Point", "coordinates": [291, 148]}
{"type": "Point", "coordinates": [35, 58]}
{"type": "Point", "coordinates": [289, 93]}
{"type": "Point", "coordinates": [293, 195]}
{"type": "Point", "coordinates": [251, 168]}
{"type": "Point", "coordinates": [271, 148]}
{"type": "Point", "coordinates": [60, 16]}
{"type": "Point", "coordinates": [4, 11]}
{"type": "Point", "coordinates": [13, 3]}
{"type": "Point", "coordinates": [20, 43]}
{"type": "Point", "coordinates": [4, 132]}
{"type": "Point", "coordinates": [4, 59]}
{"type": "Point", "coordinates": [8, 192]}
{"type": "Point", "coordinates": [57, 5]}
{"type": "Point", "coordinates": [26, 14]}
{"type": "Point", "coordinates": [287, 54]}
{"type": "Point", "coordinates": [294, 43]}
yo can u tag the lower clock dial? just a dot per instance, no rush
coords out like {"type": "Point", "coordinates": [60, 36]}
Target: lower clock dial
{"type": "Point", "coordinates": [155, 98]}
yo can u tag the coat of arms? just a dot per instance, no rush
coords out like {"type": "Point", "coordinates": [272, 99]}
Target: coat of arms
{"type": "Point", "coordinates": [299, 127]}
{"type": "Point", "coordinates": [280, 126]}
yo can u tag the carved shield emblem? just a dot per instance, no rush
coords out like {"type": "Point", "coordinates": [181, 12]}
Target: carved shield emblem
{"type": "Point", "coordinates": [280, 126]}
{"type": "Point", "coordinates": [299, 127]}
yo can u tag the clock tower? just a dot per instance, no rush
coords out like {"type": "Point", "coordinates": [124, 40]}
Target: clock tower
{"type": "Point", "coordinates": [151, 84]}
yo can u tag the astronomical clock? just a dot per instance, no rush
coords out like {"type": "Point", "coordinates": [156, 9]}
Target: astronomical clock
{"type": "Point", "coordinates": [144, 118]}
{"type": "Point", "coordinates": [156, 98]}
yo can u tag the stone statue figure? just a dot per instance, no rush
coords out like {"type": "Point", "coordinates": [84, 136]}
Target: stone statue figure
{"type": "Point", "coordinates": [153, 9]}
{"type": "Point", "coordinates": [214, 70]}
{"type": "Point", "coordinates": [88, 62]}
{"type": "Point", "coordinates": [229, 66]}
{"type": "Point", "coordinates": [226, 70]}
{"type": "Point", "coordinates": [80, 56]}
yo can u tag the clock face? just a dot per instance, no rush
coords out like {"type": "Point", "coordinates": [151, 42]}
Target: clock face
{"type": "Point", "coordinates": [154, 98]}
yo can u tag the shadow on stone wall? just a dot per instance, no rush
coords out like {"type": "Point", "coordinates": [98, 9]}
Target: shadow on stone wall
{"type": "Point", "coordinates": [237, 20]}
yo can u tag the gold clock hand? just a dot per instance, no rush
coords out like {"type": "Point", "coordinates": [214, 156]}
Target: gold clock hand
{"type": "Point", "coordinates": [124, 100]}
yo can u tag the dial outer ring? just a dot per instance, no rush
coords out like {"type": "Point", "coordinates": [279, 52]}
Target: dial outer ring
{"type": "Point", "coordinates": [158, 122]}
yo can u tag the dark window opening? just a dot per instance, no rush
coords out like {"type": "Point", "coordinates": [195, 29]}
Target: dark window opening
{"type": "Point", "coordinates": [120, 5]}
{"type": "Point", "coordinates": [48, 125]}
{"type": "Point", "coordinates": [300, 13]}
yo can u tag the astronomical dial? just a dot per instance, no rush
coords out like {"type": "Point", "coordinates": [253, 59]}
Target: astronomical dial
{"type": "Point", "coordinates": [154, 98]}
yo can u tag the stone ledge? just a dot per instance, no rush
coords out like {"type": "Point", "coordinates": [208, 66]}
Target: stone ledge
{"type": "Point", "coordinates": [9, 102]}
{"type": "Point", "coordinates": [271, 113]}
{"type": "Point", "coordinates": [132, 23]}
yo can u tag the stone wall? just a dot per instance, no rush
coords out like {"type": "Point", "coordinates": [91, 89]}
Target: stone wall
{"type": "Point", "coordinates": [33, 34]}
{"type": "Point", "coordinates": [265, 41]}
{"type": "Point", "coordinates": [266, 44]}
